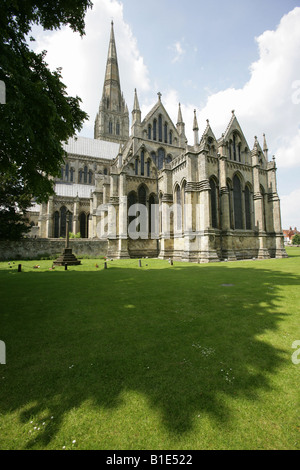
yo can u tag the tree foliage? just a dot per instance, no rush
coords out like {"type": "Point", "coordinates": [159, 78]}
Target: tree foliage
{"type": "Point", "coordinates": [38, 115]}
{"type": "Point", "coordinates": [296, 239]}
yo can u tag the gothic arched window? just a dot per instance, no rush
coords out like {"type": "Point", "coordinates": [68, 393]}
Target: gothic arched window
{"type": "Point", "coordinates": [142, 195]}
{"type": "Point", "coordinates": [83, 225]}
{"type": "Point", "coordinates": [85, 174]}
{"type": "Point", "coordinates": [149, 132]}
{"type": "Point", "coordinates": [142, 162]}
{"type": "Point", "coordinates": [178, 208]}
{"type": "Point", "coordinates": [214, 203]}
{"type": "Point", "coordinates": [67, 172]}
{"type": "Point", "coordinates": [118, 128]}
{"type": "Point", "coordinates": [248, 208]}
{"type": "Point", "coordinates": [166, 133]}
{"type": "Point", "coordinates": [148, 168]}
{"type": "Point", "coordinates": [56, 224]}
{"type": "Point", "coordinates": [153, 156]}
{"type": "Point", "coordinates": [63, 221]}
{"type": "Point", "coordinates": [154, 129]}
{"type": "Point", "coordinates": [136, 166]}
{"type": "Point", "coordinates": [161, 157]}
{"type": "Point", "coordinates": [237, 203]}
{"type": "Point", "coordinates": [160, 128]}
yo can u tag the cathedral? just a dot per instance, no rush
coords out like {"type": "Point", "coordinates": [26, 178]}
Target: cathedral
{"type": "Point", "coordinates": [149, 193]}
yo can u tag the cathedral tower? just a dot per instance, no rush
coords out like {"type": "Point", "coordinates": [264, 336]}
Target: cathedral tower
{"type": "Point", "coordinates": [112, 120]}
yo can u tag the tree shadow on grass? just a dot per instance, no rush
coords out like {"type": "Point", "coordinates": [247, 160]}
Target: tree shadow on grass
{"type": "Point", "coordinates": [184, 337]}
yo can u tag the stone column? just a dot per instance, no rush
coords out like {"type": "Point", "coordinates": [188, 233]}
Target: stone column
{"type": "Point", "coordinates": [274, 202]}
{"type": "Point", "coordinates": [226, 233]}
{"type": "Point", "coordinates": [258, 207]}
{"type": "Point", "coordinates": [123, 219]}
{"type": "Point", "coordinates": [208, 251]}
{"type": "Point", "coordinates": [49, 218]}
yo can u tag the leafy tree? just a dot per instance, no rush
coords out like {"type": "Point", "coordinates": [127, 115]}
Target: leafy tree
{"type": "Point", "coordinates": [38, 115]}
{"type": "Point", "coordinates": [296, 239]}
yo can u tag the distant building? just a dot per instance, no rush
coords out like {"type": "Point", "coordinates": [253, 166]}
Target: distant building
{"type": "Point", "coordinates": [215, 199]}
{"type": "Point", "coordinates": [288, 235]}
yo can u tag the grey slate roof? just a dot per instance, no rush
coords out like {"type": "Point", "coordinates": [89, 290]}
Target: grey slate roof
{"type": "Point", "coordinates": [72, 190]}
{"type": "Point", "coordinates": [88, 147]}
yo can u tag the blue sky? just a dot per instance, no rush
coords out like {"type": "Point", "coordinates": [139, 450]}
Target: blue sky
{"type": "Point", "coordinates": [212, 56]}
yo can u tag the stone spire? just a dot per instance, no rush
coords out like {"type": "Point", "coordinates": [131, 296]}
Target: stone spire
{"type": "Point", "coordinates": [181, 127]}
{"type": "Point", "coordinates": [265, 148]}
{"type": "Point", "coordinates": [196, 129]}
{"type": "Point", "coordinates": [112, 120]}
{"type": "Point", "coordinates": [136, 116]}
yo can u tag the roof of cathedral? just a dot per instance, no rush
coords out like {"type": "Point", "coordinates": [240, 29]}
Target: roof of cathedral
{"type": "Point", "coordinates": [88, 147]}
{"type": "Point", "coordinates": [74, 190]}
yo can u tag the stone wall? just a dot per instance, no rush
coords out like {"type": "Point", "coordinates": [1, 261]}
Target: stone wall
{"type": "Point", "coordinates": [30, 248]}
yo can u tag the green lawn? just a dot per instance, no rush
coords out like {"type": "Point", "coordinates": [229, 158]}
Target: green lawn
{"type": "Point", "coordinates": [152, 357]}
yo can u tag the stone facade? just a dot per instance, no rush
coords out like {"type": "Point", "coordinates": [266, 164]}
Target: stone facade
{"type": "Point", "coordinates": [213, 200]}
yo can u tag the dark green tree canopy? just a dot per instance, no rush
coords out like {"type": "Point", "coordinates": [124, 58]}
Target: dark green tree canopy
{"type": "Point", "coordinates": [38, 115]}
{"type": "Point", "coordinates": [296, 239]}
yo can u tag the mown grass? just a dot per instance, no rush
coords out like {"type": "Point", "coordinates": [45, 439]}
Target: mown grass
{"type": "Point", "coordinates": [152, 357]}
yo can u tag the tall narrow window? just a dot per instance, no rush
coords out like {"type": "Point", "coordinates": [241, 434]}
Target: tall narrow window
{"type": "Point", "coordinates": [85, 174]}
{"type": "Point", "coordinates": [110, 127]}
{"type": "Point", "coordinates": [142, 162]}
{"type": "Point", "coordinates": [230, 206]}
{"type": "Point", "coordinates": [153, 156]}
{"type": "Point", "coordinates": [170, 137]}
{"type": "Point", "coordinates": [166, 133]}
{"type": "Point", "coordinates": [72, 175]}
{"type": "Point", "coordinates": [118, 128]}
{"type": "Point", "coordinates": [149, 132]}
{"type": "Point", "coordinates": [248, 208]}
{"type": "Point", "coordinates": [90, 177]}
{"type": "Point", "coordinates": [160, 128]}
{"type": "Point", "coordinates": [234, 147]}
{"type": "Point", "coordinates": [63, 221]}
{"type": "Point", "coordinates": [154, 129]}
{"type": "Point", "coordinates": [237, 203]}
{"type": "Point", "coordinates": [178, 208]}
{"type": "Point", "coordinates": [80, 176]}
{"type": "Point", "coordinates": [82, 224]}
{"type": "Point", "coordinates": [213, 203]}
{"type": "Point", "coordinates": [56, 224]}
{"type": "Point", "coordinates": [136, 166]}
{"type": "Point", "coordinates": [161, 157]}
{"type": "Point", "coordinates": [148, 168]}
{"type": "Point", "coordinates": [67, 172]}
{"type": "Point", "coordinates": [131, 200]}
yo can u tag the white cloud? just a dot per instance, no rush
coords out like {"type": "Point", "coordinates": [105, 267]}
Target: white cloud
{"type": "Point", "coordinates": [178, 51]}
{"type": "Point", "coordinates": [290, 210]}
{"type": "Point", "coordinates": [83, 60]}
{"type": "Point", "coordinates": [269, 102]}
